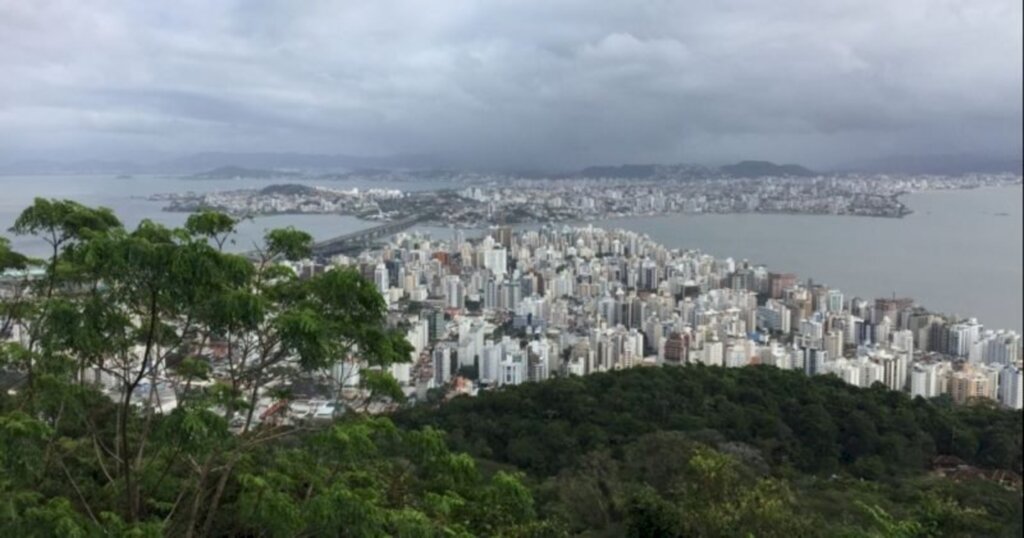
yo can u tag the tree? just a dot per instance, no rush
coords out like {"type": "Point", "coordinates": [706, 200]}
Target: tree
{"type": "Point", "coordinates": [133, 307]}
{"type": "Point", "coordinates": [14, 284]}
{"type": "Point", "coordinates": [117, 320]}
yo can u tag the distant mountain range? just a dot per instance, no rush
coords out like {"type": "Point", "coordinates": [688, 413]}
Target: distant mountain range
{"type": "Point", "coordinates": [299, 161]}
{"type": "Point", "coordinates": [743, 169]}
{"type": "Point", "coordinates": [204, 163]}
{"type": "Point", "coordinates": [45, 167]}
{"type": "Point", "coordinates": [290, 189]}
{"type": "Point", "coordinates": [233, 172]}
{"type": "Point", "coordinates": [222, 164]}
{"type": "Point", "coordinates": [753, 169]}
{"type": "Point", "coordinates": [623, 171]}
{"type": "Point", "coordinates": [939, 164]}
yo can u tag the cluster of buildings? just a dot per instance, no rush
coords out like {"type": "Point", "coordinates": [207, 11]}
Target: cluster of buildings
{"type": "Point", "coordinates": [591, 198]}
{"type": "Point", "coordinates": [520, 306]}
{"type": "Point", "coordinates": [480, 199]}
{"type": "Point", "coordinates": [281, 199]}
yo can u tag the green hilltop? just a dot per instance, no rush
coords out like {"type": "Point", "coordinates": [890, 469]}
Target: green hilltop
{"type": "Point", "coordinates": [659, 452]}
{"type": "Point", "coordinates": [756, 169]}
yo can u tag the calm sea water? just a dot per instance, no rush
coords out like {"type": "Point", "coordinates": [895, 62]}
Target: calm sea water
{"type": "Point", "coordinates": [959, 252]}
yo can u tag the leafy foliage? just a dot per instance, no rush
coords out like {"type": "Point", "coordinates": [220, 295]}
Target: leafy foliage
{"type": "Point", "coordinates": [700, 451]}
{"type": "Point", "coordinates": [816, 425]}
{"type": "Point", "coordinates": [127, 305]}
{"type": "Point", "coordinates": [644, 452]}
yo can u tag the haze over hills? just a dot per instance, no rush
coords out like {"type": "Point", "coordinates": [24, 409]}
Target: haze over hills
{"type": "Point", "coordinates": [256, 164]}
{"type": "Point", "coordinates": [303, 161]}
{"type": "Point", "coordinates": [743, 169]}
{"type": "Point", "coordinates": [53, 167]}
{"type": "Point", "coordinates": [200, 163]}
{"type": "Point", "coordinates": [753, 169]}
{"type": "Point", "coordinates": [233, 172]}
{"type": "Point", "coordinates": [940, 164]}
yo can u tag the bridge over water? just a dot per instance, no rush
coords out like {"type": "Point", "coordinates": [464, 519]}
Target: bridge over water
{"type": "Point", "coordinates": [361, 239]}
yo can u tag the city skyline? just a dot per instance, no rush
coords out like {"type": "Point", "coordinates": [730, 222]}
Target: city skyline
{"type": "Point", "coordinates": [511, 268]}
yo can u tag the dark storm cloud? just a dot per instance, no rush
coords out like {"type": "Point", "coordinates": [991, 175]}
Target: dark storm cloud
{"type": "Point", "coordinates": [530, 83]}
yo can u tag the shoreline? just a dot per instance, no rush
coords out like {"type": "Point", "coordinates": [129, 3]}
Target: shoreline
{"type": "Point", "coordinates": [771, 267]}
{"type": "Point", "coordinates": [521, 222]}
{"type": "Point", "coordinates": [948, 195]}
{"type": "Point", "coordinates": [899, 198]}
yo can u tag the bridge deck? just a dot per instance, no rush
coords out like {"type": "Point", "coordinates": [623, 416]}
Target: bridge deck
{"type": "Point", "coordinates": [359, 238]}
{"type": "Point", "coordinates": [338, 244]}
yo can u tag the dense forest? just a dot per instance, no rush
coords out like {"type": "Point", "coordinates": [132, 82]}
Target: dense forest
{"type": "Point", "coordinates": [644, 452]}
{"type": "Point", "coordinates": [818, 425]}
{"type": "Point", "coordinates": [595, 447]}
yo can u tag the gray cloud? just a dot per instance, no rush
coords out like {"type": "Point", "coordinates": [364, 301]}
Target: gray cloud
{"type": "Point", "coordinates": [514, 82]}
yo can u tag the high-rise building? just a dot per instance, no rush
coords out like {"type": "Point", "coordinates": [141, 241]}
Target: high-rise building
{"type": "Point", "coordinates": [894, 367]}
{"type": "Point", "coordinates": [921, 324]}
{"type": "Point", "coordinates": [513, 369]}
{"type": "Point", "coordinates": [904, 341]}
{"type": "Point", "coordinates": [492, 293]}
{"type": "Point", "coordinates": [676, 349]}
{"type": "Point", "coordinates": [834, 301]}
{"type": "Point", "coordinates": [471, 342]}
{"type": "Point", "coordinates": [927, 379]}
{"type": "Point", "coordinates": [632, 312]}
{"type": "Point", "coordinates": [967, 385]}
{"type": "Point", "coordinates": [437, 327]}
{"type": "Point", "coordinates": [774, 316]}
{"type": "Point", "coordinates": [490, 363]}
{"type": "Point", "coordinates": [1010, 386]}
{"type": "Point", "coordinates": [882, 331]}
{"type": "Point", "coordinates": [962, 336]}
{"type": "Point", "coordinates": [938, 336]}
{"type": "Point", "coordinates": [442, 361]}
{"type": "Point", "coordinates": [608, 310]}
{"type": "Point", "coordinates": [380, 278]}
{"type": "Point", "coordinates": [779, 282]}
{"type": "Point", "coordinates": [511, 294]}
{"type": "Point", "coordinates": [454, 294]}
{"type": "Point", "coordinates": [538, 355]}
{"type": "Point", "coordinates": [458, 239]}
{"type": "Point", "coordinates": [834, 343]}
{"type": "Point", "coordinates": [713, 353]}
{"type": "Point", "coordinates": [504, 235]}
{"type": "Point", "coordinates": [812, 332]}
{"type": "Point", "coordinates": [815, 361]}
{"type": "Point", "coordinates": [871, 372]}
{"type": "Point", "coordinates": [890, 307]}
{"type": "Point", "coordinates": [992, 347]}
{"type": "Point", "coordinates": [648, 275]}
{"type": "Point", "coordinates": [495, 259]}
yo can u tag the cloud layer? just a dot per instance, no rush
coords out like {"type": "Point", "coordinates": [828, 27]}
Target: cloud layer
{"type": "Point", "coordinates": [529, 83]}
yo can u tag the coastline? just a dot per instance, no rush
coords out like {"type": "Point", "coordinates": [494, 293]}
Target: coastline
{"type": "Point", "coordinates": [904, 210]}
{"type": "Point", "coordinates": [917, 270]}
{"type": "Point", "coordinates": [854, 283]}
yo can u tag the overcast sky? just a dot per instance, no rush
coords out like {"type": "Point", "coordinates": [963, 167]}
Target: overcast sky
{"type": "Point", "coordinates": [530, 83]}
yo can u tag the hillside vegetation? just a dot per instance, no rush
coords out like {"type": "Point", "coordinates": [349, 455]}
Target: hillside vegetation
{"type": "Point", "coordinates": [829, 458]}
{"type": "Point", "coordinates": [87, 449]}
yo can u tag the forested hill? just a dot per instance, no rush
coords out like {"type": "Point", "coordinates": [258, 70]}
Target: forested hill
{"type": "Point", "coordinates": [590, 440]}
{"type": "Point", "coordinates": [816, 425]}
{"type": "Point", "coordinates": [659, 452]}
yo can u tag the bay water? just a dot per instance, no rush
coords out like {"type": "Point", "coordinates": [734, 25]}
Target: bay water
{"type": "Point", "coordinates": [959, 252]}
